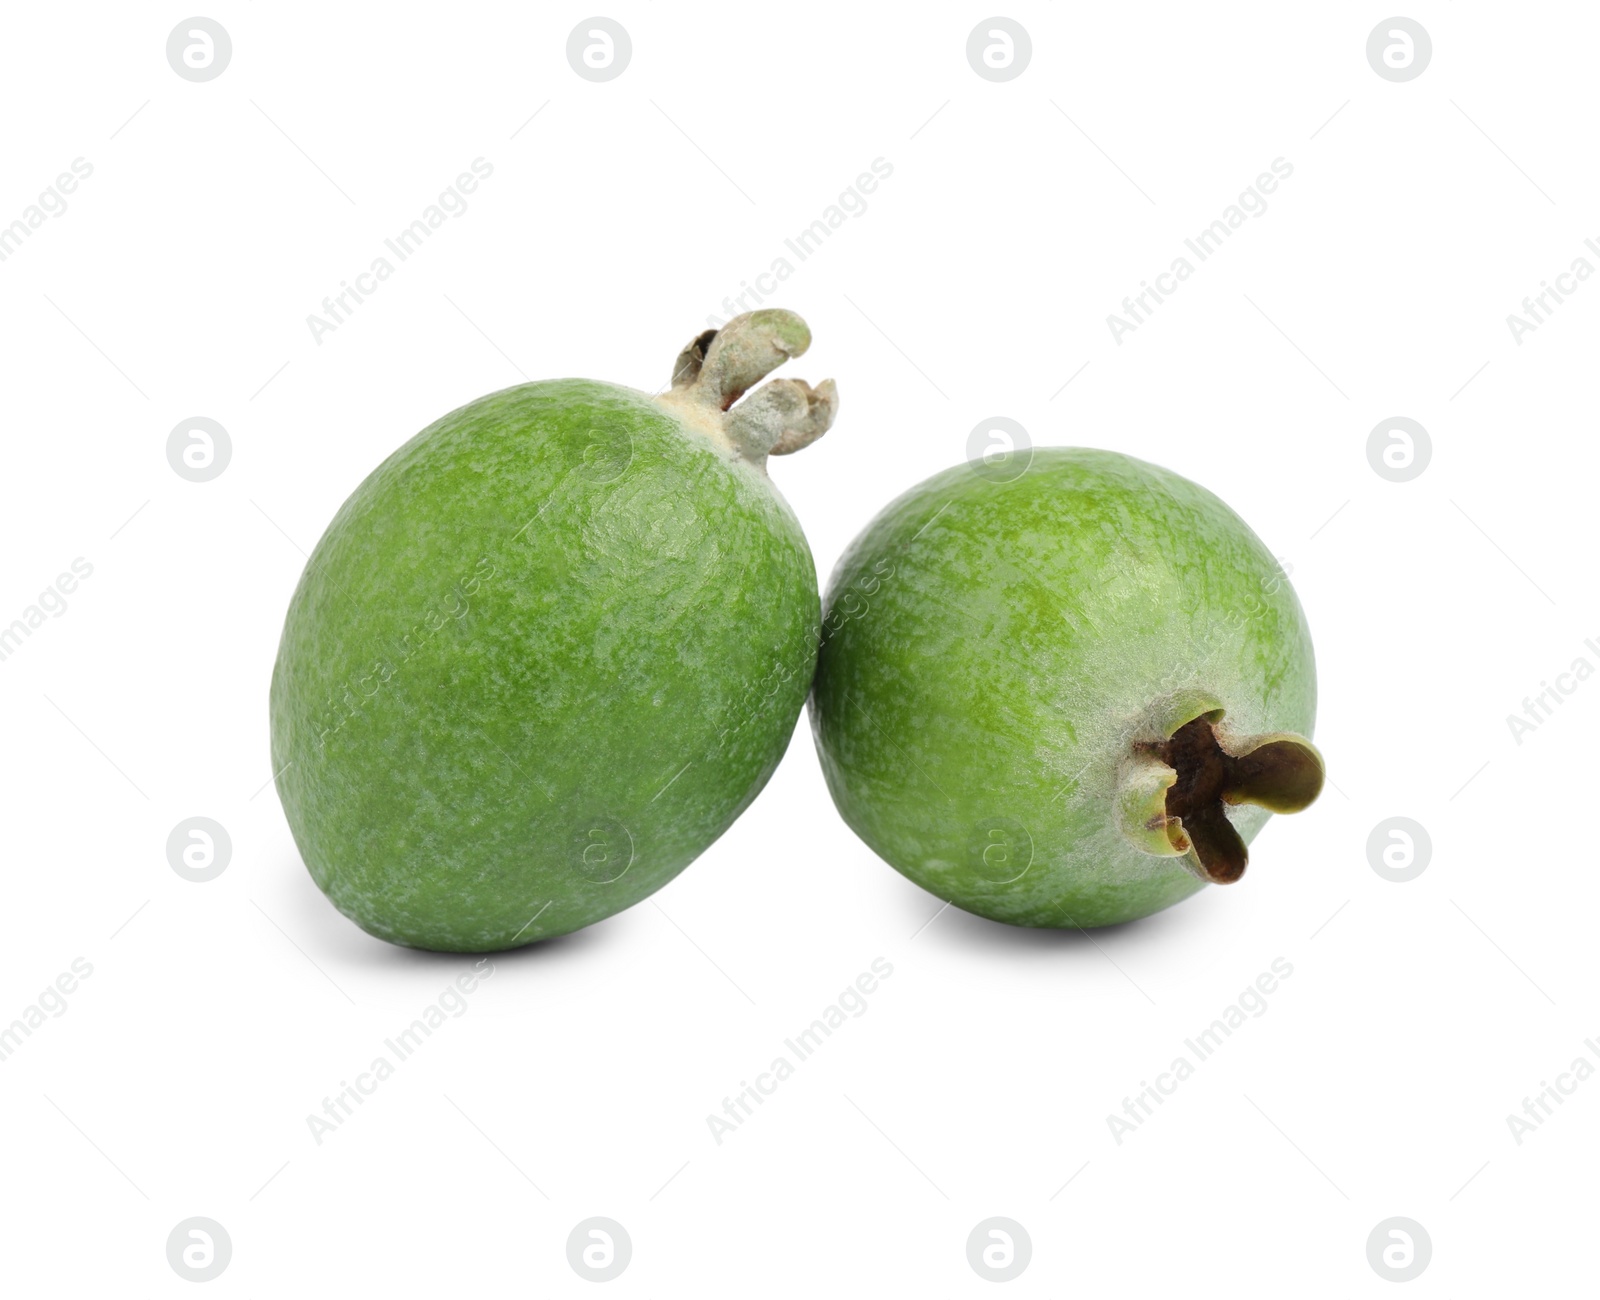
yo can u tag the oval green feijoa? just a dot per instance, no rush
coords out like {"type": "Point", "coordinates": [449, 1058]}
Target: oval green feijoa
{"type": "Point", "coordinates": [1068, 699]}
{"type": "Point", "coordinates": [551, 648]}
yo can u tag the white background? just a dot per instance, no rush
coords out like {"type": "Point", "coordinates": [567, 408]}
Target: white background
{"type": "Point", "coordinates": [976, 283]}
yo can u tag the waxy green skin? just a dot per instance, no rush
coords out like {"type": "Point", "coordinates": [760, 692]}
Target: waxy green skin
{"type": "Point", "coordinates": [558, 636]}
{"type": "Point", "coordinates": [992, 650]}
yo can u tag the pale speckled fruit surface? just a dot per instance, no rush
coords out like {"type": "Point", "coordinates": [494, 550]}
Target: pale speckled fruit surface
{"type": "Point", "coordinates": [556, 636]}
{"type": "Point", "coordinates": [991, 650]}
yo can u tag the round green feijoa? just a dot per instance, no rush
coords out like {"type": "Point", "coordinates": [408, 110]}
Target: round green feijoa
{"type": "Point", "coordinates": [1068, 699]}
{"type": "Point", "coordinates": [551, 648]}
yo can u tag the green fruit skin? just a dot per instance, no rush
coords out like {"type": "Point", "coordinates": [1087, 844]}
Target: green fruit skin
{"type": "Point", "coordinates": [991, 649]}
{"type": "Point", "coordinates": [556, 636]}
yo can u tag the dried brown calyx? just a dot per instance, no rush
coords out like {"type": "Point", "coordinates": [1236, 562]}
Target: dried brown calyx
{"type": "Point", "coordinates": [1175, 792]}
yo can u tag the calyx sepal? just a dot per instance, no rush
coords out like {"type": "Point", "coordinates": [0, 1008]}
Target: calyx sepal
{"type": "Point", "coordinates": [1173, 793]}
